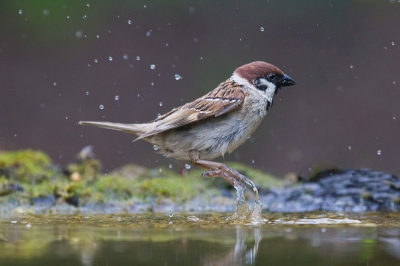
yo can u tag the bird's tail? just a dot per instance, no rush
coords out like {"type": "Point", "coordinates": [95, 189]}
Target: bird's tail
{"type": "Point", "coordinates": [134, 129]}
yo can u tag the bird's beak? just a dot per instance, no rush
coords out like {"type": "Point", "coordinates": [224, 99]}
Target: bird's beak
{"type": "Point", "coordinates": [286, 81]}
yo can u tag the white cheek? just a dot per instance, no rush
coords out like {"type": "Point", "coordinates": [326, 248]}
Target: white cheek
{"type": "Point", "coordinates": [271, 88]}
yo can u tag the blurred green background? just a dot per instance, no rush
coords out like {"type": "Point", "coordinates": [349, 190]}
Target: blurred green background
{"type": "Point", "coordinates": [61, 60]}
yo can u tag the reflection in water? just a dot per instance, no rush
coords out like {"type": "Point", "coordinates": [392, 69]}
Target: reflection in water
{"type": "Point", "coordinates": [239, 255]}
{"type": "Point", "coordinates": [200, 240]}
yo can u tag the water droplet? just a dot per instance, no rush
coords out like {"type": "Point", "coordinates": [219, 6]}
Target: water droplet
{"type": "Point", "coordinates": [79, 34]}
{"type": "Point", "coordinates": [177, 77]}
{"type": "Point", "coordinates": [309, 169]}
{"type": "Point", "coordinates": [129, 21]}
{"type": "Point", "coordinates": [252, 161]}
{"type": "Point", "coordinates": [20, 12]}
{"type": "Point", "coordinates": [351, 66]}
{"type": "Point", "coordinates": [349, 147]}
{"type": "Point", "coordinates": [159, 170]}
{"type": "Point", "coordinates": [125, 57]}
{"type": "Point", "coordinates": [101, 107]}
{"type": "Point", "coordinates": [170, 166]}
{"type": "Point", "coordinates": [171, 215]}
{"type": "Point", "coordinates": [87, 93]}
{"type": "Point", "coordinates": [148, 34]}
{"type": "Point", "coordinates": [95, 60]}
{"type": "Point", "coordinates": [392, 43]}
{"type": "Point", "coordinates": [262, 29]}
{"type": "Point", "coordinates": [152, 66]}
{"type": "Point", "coordinates": [87, 5]}
{"type": "Point", "coordinates": [55, 84]}
{"type": "Point", "coordinates": [138, 58]}
{"type": "Point", "coordinates": [15, 135]}
{"type": "Point", "coordinates": [187, 166]}
{"type": "Point", "coordinates": [155, 147]}
{"type": "Point", "coordinates": [110, 58]}
{"type": "Point", "coordinates": [192, 10]}
{"type": "Point", "coordinates": [67, 17]}
{"type": "Point", "coordinates": [97, 36]}
{"type": "Point", "coordinates": [152, 84]}
{"type": "Point", "coordinates": [46, 12]}
{"type": "Point", "coordinates": [160, 103]}
{"type": "Point", "coordinates": [116, 97]}
{"type": "Point", "coordinates": [195, 40]}
{"type": "Point", "coordinates": [158, 115]}
{"type": "Point", "coordinates": [84, 16]}
{"type": "Point", "coordinates": [144, 6]}
{"type": "Point", "coordinates": [66, 117]}
{"type": "Point", "coordinates": [379, 152]}
{"type": "Point", "coordinates": [394, 117]}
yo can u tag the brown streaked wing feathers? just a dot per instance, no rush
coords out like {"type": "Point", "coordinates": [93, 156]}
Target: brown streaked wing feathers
{"type": "Point", "coordinates": [225, 98]}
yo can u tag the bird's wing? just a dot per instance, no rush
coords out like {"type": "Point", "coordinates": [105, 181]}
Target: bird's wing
{"type": "Point", "coordinates": [227, 97]}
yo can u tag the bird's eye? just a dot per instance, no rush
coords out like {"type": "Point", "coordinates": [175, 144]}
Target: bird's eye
{"type": "Point", "coordinates": [271, 76]}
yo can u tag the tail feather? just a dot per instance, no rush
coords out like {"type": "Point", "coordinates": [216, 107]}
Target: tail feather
{"type": "Point", "coordinates": [128, 128]}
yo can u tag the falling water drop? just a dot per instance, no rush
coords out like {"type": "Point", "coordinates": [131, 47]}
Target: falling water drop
{"type": "Point", "coordinates": [101, 107]}
{"type": "Point", "coordinates": [177, 77]}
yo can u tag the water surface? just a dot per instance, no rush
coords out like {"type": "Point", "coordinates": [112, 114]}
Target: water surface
{"type": "Point", "coordinates": [200, 239]}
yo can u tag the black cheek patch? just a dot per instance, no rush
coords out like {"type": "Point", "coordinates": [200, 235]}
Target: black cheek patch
{"type": "Point", "coordinates": [260, 86]}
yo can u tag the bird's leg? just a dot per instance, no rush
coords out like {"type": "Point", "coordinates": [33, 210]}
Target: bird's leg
{"type": "Point", "coordinates": [219, 169]}
{"type": "Point", "coordinates": [219, 173]}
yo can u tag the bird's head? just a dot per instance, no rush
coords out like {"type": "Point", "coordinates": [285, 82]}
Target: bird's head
{"type": "Point", "coordinates": [264, 77]}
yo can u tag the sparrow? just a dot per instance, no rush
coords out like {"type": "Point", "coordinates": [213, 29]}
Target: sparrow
{"type": "Point", "coordinates": [214, 124]}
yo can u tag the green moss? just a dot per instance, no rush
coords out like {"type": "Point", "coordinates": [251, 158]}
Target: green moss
{"type": "Point", "coordinates": [113, 187]}
{"type": "Point", "coordinates": [89, 169]}
{"type": "Point", "coordinates": [26, 166]}
{"type": "Point", "coordinates": [33, 171]}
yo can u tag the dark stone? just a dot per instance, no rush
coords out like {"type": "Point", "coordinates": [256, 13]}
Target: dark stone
{"type": "Point", "coordinates": [338, 191]}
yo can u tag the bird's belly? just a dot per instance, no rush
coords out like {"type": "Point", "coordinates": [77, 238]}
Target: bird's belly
{"type": "Point", "coordinates": [211, 137]}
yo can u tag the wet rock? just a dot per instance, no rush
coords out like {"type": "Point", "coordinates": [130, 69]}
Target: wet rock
{"type": "Point", "coordinates": [338, 191]}
{"type": "Point", "coordinates": [10, 188]}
